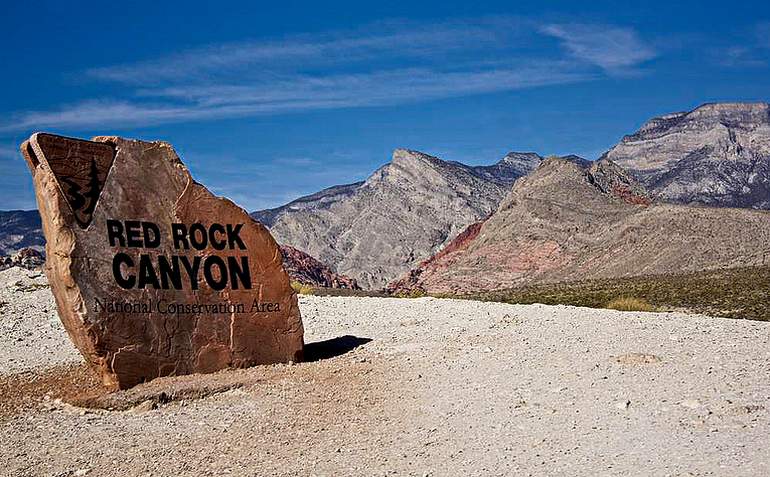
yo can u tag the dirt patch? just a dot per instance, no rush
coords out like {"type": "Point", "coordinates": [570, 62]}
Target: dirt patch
{"type": "Point", "coordinates": [20, 392]}
{"type": "Point", "coordinates": [79, 386]}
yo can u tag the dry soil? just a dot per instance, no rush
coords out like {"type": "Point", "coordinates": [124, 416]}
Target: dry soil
{"type": "Point", "coordinates": [404, 387]}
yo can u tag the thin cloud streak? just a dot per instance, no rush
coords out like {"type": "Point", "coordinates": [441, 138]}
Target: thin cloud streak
{"type": "Point", "coordinates": [391, 40]}
{"type": "Point", "coordinates": [300, 94]}
{"type": "Point", "coordinates": [614, 49]}
{"type": "Point", "coordinates": [388, 64]}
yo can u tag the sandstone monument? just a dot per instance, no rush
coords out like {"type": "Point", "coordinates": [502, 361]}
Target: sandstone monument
{"type": "Point", "coordinates": [152, 274]}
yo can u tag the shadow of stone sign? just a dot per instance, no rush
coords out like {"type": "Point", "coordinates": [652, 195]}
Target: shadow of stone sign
{"type": "Point", "coordinates": [152, 274]}
{"type": "Point", "coordinates": [334, 347]}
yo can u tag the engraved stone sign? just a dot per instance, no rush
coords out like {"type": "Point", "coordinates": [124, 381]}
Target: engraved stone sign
{"type": "Point", "coordinates": [153, 275]}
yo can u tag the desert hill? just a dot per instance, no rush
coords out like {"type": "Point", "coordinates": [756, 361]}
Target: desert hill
{"type": "Point", "coordinates": [567, 221]}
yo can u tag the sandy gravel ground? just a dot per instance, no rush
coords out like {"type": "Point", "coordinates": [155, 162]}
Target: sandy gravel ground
{"type": "Point", "coordinates": [444, 387]}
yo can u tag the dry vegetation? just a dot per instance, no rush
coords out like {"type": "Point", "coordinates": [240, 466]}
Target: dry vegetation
{"type": "Point", "coordinates": [628, 303]}
{"type": "Point", "coordinates": [731, 293]}
{"type": "Point", "coordinates": [301, 288]}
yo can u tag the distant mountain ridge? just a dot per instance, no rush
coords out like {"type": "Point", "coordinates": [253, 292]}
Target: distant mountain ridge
{"type": "Point", "coordinates": [405, 211]}
{"type": "Point", "coordinates": [418, 206]}
{"type": "Point", "coordinates": [717, 154]}
{"type": "Point", "coordinates": [20, 229]}
{"type": "Point", "coordinates": [319, 199]}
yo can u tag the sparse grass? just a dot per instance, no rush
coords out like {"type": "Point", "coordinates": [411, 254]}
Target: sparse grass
{"type": "Point", "coordinates": [416, 293]}
{"type": "Point", "coordinates": [628, 303]}
{"type": "Point", "coordinates": [302, 289]}
{"type": "Point", "coordinates": [730, 293]}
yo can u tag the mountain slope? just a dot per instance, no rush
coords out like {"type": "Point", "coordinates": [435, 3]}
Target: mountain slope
{"type": "Point", "coordinates": [20, 229]}
{"type": "Point", "coordinates": [404, 212]}
{"type": "Point", "coordinates": [306, 270]}
{"type": "Point", "coordinates": [567, 222]}
{"type": "Point", "coordinates": [717, 154]}
{"type": "Point", "coordinates": [320, 199]}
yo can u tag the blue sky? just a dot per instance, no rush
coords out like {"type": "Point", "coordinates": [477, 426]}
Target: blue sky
{"type": "Point", "coordinates": [267, 102]}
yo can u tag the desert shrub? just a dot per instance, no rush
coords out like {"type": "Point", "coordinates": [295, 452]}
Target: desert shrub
{"type": "Point", "coordinates": [302, 288]}
{"type": "Point", "coordinates": [414, 293]}
{"type": "Point", "coordinates": [629, 304]}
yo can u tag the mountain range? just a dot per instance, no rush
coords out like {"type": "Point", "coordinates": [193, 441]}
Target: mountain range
{"type": "Point", "coordinates": [566, 222]}
{"type": "Point", "coordinates": [404, 212]}
{"type": "Point", "coordinates": [20, 229]}
{"type": "Point", "coordinates": [422, 222]}
{"type": "Point", "coordinates": [717, 154]}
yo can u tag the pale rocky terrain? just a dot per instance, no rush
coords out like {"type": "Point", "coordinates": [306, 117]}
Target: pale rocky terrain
{"type": "Point", "coordinates": [444, 387]}
{"type": "Point", "coordinates": [404, 212]}
{"type": "Point", "coordinates": [566, 221]}
{"type": "Point", "coordinates": [717, 154]}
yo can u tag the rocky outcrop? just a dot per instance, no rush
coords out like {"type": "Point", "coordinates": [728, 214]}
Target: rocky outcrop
{"type": "Point", "coordinates": [402, 214]}
{"type": "Point", "coordinates": [567, 221]}
{"type": "Point", "coordinates": [152, 274]}
{"type": "Point", "coordinates": [717, 154]}
{"type": "Point", "coordinates": [411, 281]}
{"type": "Point", "coordinates": [305, 269]}
{"type": "Point", "coordinates": [612, 180]}
{"type": "Point", "coordinates": [28, 258]}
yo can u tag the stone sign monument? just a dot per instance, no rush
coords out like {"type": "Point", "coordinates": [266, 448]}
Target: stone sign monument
{"type": "Point", "coordinates": [153, 275]}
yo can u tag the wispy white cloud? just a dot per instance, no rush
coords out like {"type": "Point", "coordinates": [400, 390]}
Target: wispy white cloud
{"type": "Point", "coordinates": [614, 49]}
{"type": "Point", "coordinates": [379, 42]}
{"type": "Point", "coordinates": [379, 65]}
{"type": "Point", "coordinates": [753, 51]}
{"type": "Point", "coordinates": [298, 93]}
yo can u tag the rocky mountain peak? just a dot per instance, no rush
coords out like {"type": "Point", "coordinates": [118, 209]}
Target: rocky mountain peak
{"type": "Point", "coordinates": [749, 112]}
{"type": "Point", "coordinates": [718, 154]}
{"type": "Point", "coordinates": [404, 212]}
{"type": "Point", "coordinates": [529, 158]}
{"type": "Point", "coordinates": [705, 116]}
{"type": "Point", "coordinates": [407, 166]}
{"type": "Point", "coordinates": [412, 157]}
{"type": "Point", "coordinates": [579, 181]}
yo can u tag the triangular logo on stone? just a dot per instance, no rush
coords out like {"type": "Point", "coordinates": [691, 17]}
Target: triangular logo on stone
{"type": "Point", "coordinates": [80, 168]}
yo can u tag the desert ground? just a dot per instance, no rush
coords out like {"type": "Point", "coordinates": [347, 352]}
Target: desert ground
{"type": "Point", "coordinates": [404, 387]}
